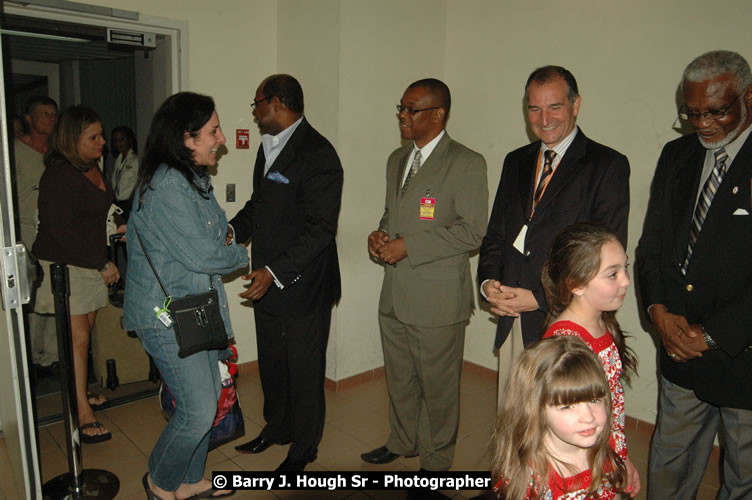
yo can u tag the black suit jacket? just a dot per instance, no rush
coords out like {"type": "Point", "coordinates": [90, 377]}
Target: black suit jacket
{"type": "Point", "coordinates": [717, 289]}
{"type": "Point", "coordinates": [590, 184]}
{"type": "Point", "coordinates": [292, 222]}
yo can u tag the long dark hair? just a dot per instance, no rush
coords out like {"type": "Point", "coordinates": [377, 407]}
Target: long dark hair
{"type": "Point", "coordinates": [572, 261]}
{"type": "Point", "coordinates": [182, 113]}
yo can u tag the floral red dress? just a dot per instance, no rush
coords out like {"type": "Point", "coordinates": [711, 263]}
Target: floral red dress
{"type": "Point", "coordinates": [567, 488]}
{"type": "Point", "coordinates": [606, 351]}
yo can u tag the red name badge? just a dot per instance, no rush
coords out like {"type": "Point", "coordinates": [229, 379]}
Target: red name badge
{"type": "Point", "coordinates": [427, 206]}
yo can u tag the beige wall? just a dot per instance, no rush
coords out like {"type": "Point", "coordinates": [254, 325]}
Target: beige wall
{"type": "Point", "coordinates": [627, 58]}
{"type": "Point", "coordinates": [354, 59]}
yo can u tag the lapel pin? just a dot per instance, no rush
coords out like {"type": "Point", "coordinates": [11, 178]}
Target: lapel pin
{"type": "Point", "coordinates": [735, 190]}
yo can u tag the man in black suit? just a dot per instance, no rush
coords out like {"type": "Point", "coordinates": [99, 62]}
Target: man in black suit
{"type": "Point", "coordinates": [562, 178]}
{"type": "Point", "coordinates": [695, 276]}
{"type": "Point", "coordinates": [291, 219]}
{"type": "Point", "coordinates": [537, 197]}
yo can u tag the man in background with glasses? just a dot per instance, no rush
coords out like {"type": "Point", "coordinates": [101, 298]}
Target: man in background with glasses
{"type": "Point", "coordinates": [435, 213]}
{"type": "Point", "coordinates": [695, 275]}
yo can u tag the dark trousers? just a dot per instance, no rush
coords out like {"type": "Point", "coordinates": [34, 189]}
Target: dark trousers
{"type": "Point", "coordinates": [683, 440]}
{"type": "Point", "coordinates": [292, 362]}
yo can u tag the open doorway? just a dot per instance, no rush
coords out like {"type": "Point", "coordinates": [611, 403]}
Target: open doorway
{"type": "Point", "coordinates": [61, 50]}
{"type": "Point", "coordinates": [123, 74]}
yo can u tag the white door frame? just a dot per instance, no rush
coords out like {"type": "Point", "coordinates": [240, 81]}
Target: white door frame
{"type": "Point", "coordinates": [16, 414]}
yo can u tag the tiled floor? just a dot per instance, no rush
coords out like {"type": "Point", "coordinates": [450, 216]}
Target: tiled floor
{"type": "Point", "coordinates": [356, 422]}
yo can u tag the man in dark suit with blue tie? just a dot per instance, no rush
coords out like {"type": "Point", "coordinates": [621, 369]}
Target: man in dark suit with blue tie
{"type": "Point", "coordinates": [291, 220]}
{"type": "Point", "coordinates": [695, 277]}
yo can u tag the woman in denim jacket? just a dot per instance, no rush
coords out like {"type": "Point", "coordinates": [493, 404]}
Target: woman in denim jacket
{"type": "Point", "coordinates": [183, 230]}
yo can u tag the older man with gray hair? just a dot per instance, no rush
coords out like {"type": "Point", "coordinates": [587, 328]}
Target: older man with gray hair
{"type": "Point", "coordinates": [695, 276]}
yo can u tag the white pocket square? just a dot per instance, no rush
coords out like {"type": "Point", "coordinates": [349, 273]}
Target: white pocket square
{"type": "Point", "coordinates": [740, 211]}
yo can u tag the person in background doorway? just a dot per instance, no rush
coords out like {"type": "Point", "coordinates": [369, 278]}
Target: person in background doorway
{"type": "Point", "coordinates": [73, 206]}
{"type": "Point", "coordinates": [19, 127]}
{"type": "Point", "coordinates": [40, 115]}
{"type": "Point", "coordinates": [125, 172]}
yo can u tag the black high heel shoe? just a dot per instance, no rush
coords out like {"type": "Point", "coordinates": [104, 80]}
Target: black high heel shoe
{"type": "Point", "coordinates": [150, 495]}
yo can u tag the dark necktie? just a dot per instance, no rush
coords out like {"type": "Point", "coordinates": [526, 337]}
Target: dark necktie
{"type": "Point", "coordinates": [703, 203]}
{"type": "Point", "coordinates": [413, 170]}
{"type": "Point", "coordinates": [548, 169]}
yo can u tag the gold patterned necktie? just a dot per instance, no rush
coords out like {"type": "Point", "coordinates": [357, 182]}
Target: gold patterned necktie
{"type": "Point", "coordinates": [548, 169]}
{"type": "Point", "coordinates": [413, 170]}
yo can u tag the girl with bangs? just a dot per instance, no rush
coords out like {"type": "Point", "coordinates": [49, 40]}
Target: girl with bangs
{"type": "Point", "coordinates": [551, 440]}
{"type": "Point", "coordinates": [585, 279]}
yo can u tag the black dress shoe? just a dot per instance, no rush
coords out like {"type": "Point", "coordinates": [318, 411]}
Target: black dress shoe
{"type": "Point", "coordinates": [258, 445]}
{"type": "Point", "coordinates": [379, 456]}
{"type": "Point", "coordinates": [291, 465]}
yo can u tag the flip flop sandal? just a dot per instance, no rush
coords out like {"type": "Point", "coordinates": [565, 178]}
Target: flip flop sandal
{"type": "Point", "coordinates": [93, 438]}
{"type": "Point", "coordinates": [97, 406]}
{"type": "Point", "coordinates": [149, 494]}
{"type": "Point", "coordinates": [208, 494]}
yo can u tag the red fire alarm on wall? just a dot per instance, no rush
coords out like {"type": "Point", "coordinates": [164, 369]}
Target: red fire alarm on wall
{"type": "Point", "coordinates": [242, 138]}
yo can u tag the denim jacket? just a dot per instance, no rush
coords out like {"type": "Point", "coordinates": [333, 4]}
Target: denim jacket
{"type": "Point", "coordinates": [184, 235]}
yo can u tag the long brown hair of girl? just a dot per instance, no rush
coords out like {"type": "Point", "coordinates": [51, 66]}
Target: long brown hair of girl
{"type": "Point", "coordinates": [555, 371]}
{"type": "Point", "coordinates": [573, 261]}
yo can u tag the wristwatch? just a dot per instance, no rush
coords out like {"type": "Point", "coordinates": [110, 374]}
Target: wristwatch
{"type": "Point", "coordinates": [709, 340]}
{"type": "Point", "coordinates": [106, 266]}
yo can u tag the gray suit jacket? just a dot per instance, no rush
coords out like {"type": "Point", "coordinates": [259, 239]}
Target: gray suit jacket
{"type": "Point", "coordinates": [433, 285]}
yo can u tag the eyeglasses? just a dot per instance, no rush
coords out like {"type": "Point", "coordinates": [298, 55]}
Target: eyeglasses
{"type": "Point", "coordinates": [410, 111]}
{"type": "Point", "coordinates": [714, 114]}
{"type": "Point", "coordinates": [255, 103]}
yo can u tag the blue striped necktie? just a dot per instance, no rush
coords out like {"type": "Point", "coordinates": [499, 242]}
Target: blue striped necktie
{"type": "Point", "coordinates": [703, 204]}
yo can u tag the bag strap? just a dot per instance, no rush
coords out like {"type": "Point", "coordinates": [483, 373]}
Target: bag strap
{"type": "Point", "coordinates": [138, 237]}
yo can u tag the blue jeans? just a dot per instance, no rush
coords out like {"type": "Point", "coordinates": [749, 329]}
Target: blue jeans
{"type": "Point", "coordinates": [179, 456]}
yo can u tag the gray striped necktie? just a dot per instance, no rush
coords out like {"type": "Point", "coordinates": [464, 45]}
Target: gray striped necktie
{"type": "Point", "coordinates": [413, 170]}
{"type": "Point", "coordinates": [703, 204]}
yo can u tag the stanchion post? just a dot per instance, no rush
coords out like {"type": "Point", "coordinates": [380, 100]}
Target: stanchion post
{"type": "Point", "coordinates": [60, 293]}
{"type": "Point", "coordinates": [78, 482]}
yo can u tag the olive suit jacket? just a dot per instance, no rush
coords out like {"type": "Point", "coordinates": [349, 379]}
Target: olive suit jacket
{"type": "Point", "coordinates": [433, 285]}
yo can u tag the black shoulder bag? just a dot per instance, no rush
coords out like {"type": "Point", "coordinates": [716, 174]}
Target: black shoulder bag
{"type": "Point", "coordinates": [196, 319]}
